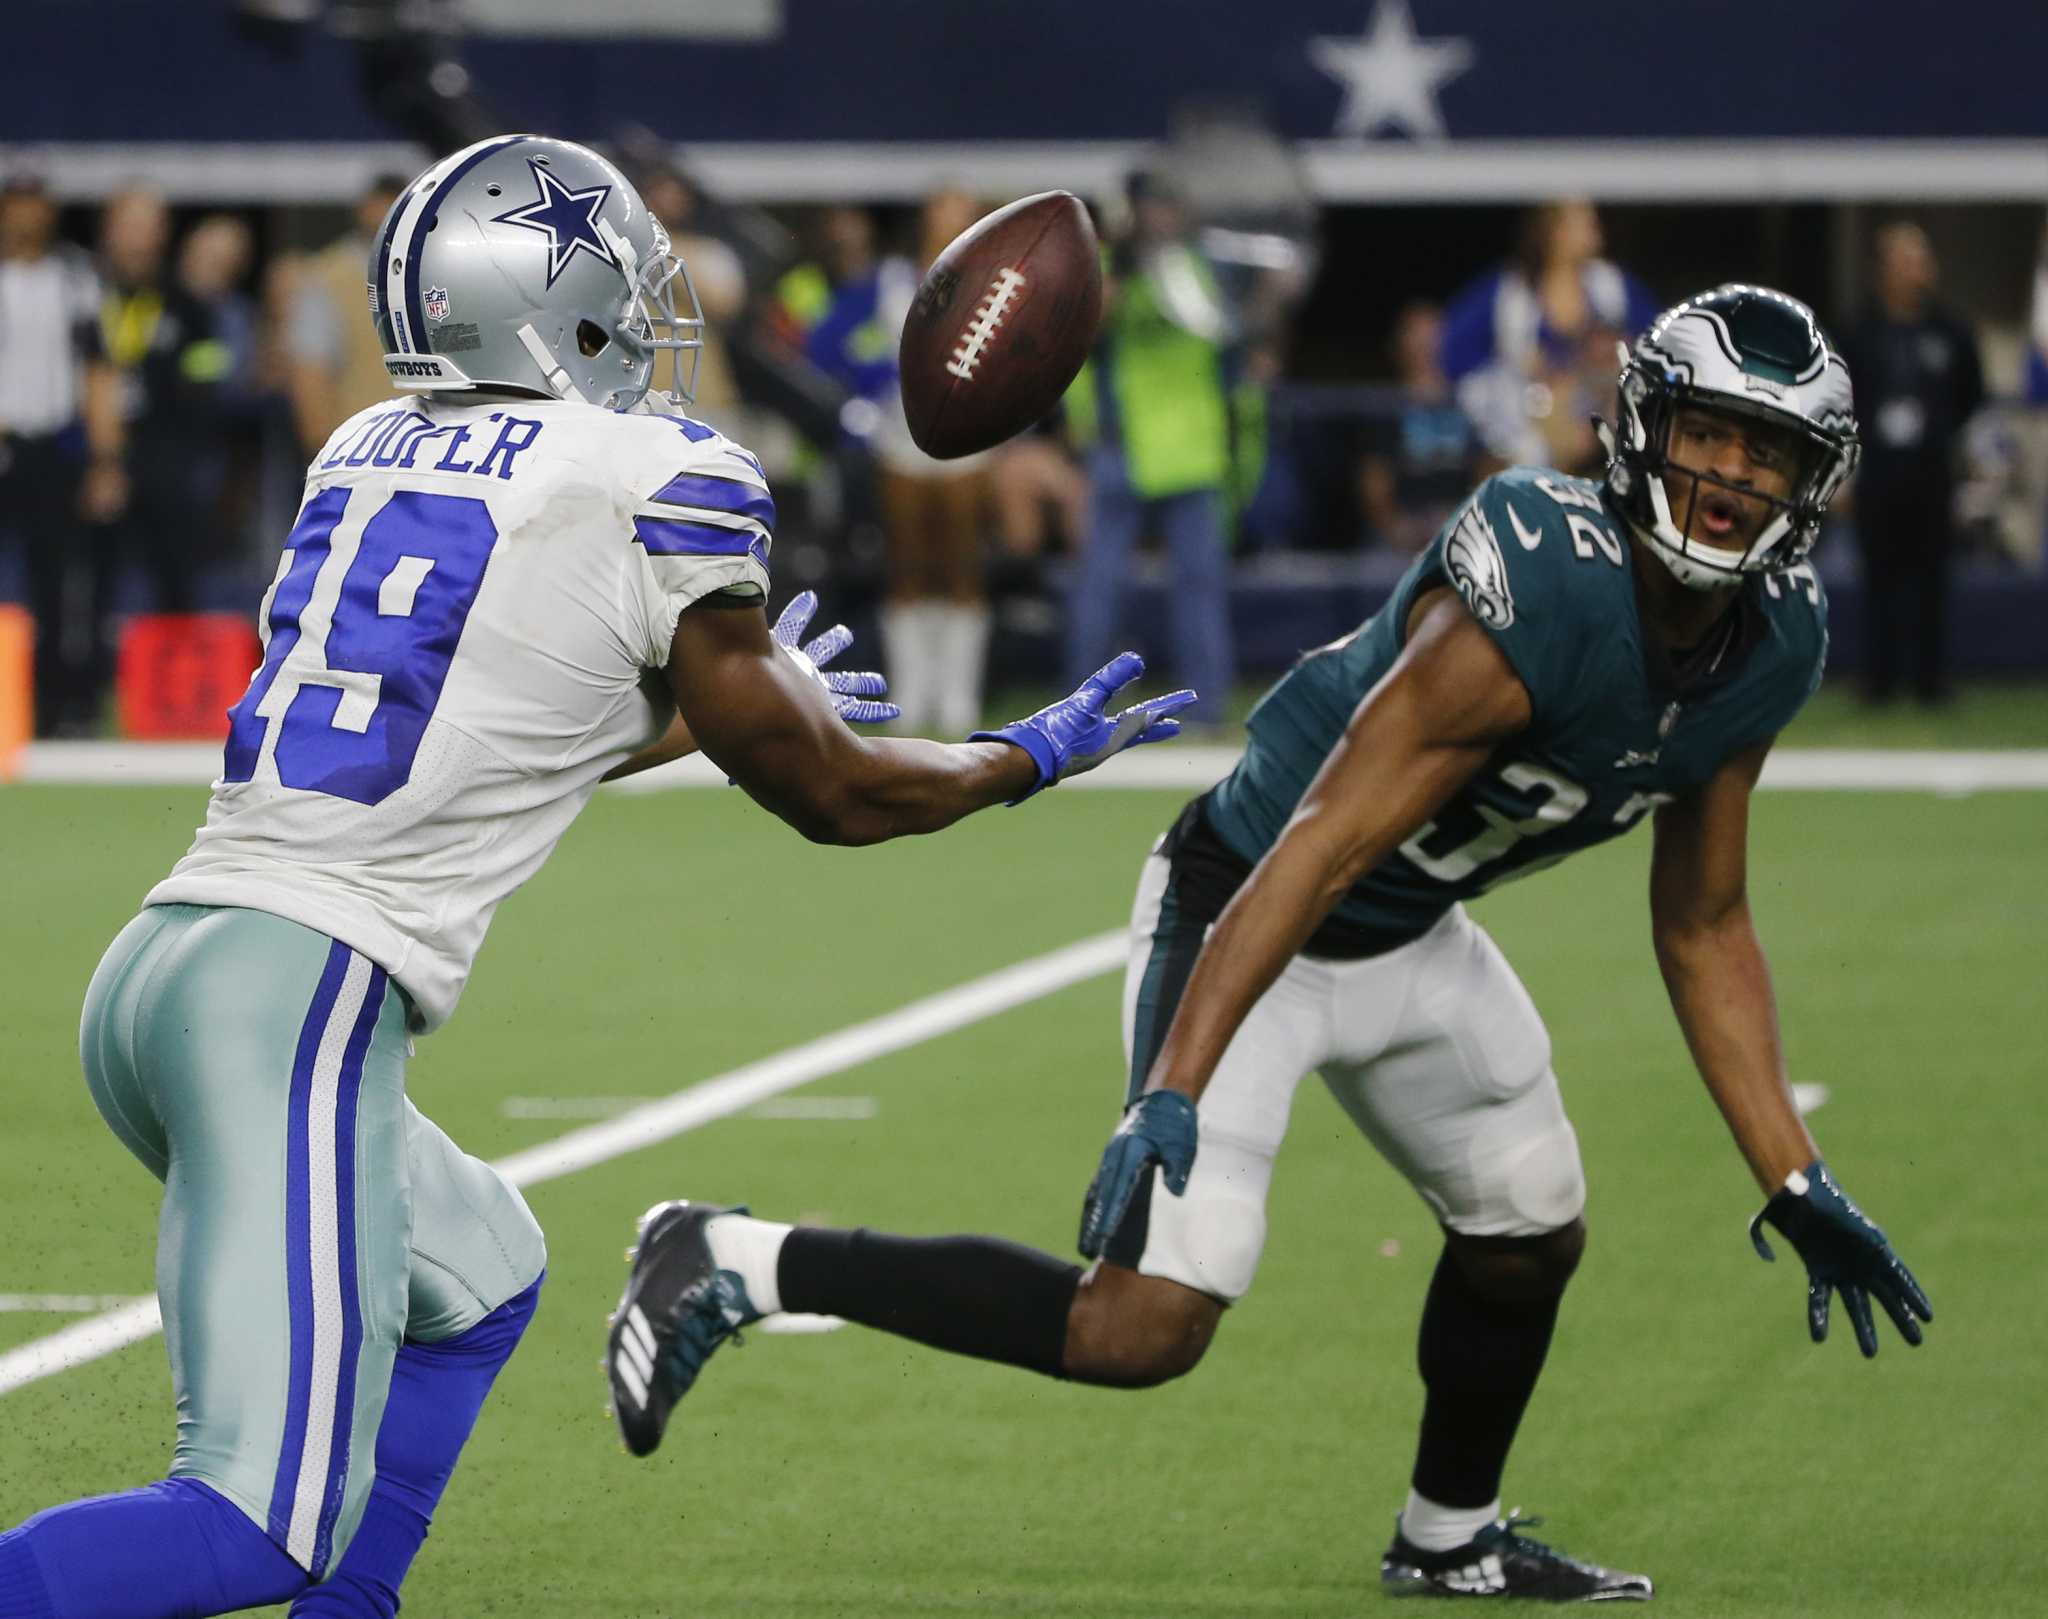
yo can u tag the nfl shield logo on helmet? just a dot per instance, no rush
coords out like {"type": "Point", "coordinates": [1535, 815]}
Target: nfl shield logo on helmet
{"type": "Point", "coordinates": [436, 303]}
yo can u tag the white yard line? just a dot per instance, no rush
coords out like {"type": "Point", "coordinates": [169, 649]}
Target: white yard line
{"type": "Point", "coordinates": [654, 1122]}
{"type": "Point", "coordinates": [1181, 769]}
{"type": "Point", "coordinates": [79, 1344]}
{"type": "Point", "coordinates": [834, 1108]}
{"type": "Point", "coordinates": [63, 1303]}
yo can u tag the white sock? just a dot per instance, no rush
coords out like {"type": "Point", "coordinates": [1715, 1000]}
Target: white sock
{"type": "Point", "coordinates": [934, 647]}
{"type": "Point", "coordinates": [903, 637]}
{"type": "Point", "coordinates": [1442, 1529]}
{"type": "Point", "coordinates": [913, 639]}
{"type": "Point", "coordinates": [963, 639]}
{"type": "Point", "coordinates": [752, 1249]}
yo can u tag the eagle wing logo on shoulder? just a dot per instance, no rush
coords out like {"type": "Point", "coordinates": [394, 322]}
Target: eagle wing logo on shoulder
{"type": "Point", "coordinates": [1473, 560]}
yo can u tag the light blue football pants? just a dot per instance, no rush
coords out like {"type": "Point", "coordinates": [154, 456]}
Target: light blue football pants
{"type": "Point", "coordinates": [312, 1218]}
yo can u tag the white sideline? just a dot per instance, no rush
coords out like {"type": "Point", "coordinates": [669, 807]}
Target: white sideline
{"type": "Point", "coordinates": [1183, 769]}
{"type": "Point", "coordinates": [658, 1121]}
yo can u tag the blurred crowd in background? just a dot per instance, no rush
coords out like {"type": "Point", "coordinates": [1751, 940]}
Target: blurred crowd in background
{"type": "Point", "coordinates": [165, 377]}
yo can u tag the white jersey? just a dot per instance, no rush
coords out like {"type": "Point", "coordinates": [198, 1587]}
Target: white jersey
{"type": "Point", "coordinates": [454, 648]}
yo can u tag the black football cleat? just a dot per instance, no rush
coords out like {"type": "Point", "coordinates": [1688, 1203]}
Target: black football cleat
{"type": "Point", "coordinates": [1502, 1561]}
{"type": "Point", "coordinates": [677, 1308]}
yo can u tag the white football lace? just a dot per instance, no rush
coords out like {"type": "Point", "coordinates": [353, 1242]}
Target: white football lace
{"type": "Point", "coordinates": [983, 327]}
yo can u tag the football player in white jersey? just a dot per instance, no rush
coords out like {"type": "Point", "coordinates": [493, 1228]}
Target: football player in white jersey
{"type": "Point", "coordinates": [500, 591]}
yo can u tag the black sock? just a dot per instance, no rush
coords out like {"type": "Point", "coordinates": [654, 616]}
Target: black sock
{"type": "Point", "coordinates": [970, 1295]}
{"type": "Point", "coordinates": [1479, 1359]}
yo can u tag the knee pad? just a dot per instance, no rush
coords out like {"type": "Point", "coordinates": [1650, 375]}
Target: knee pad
{"type": "Point", "coordinates": [1528, 1171]}
{"type": "Point", "coordinates": [1210, 1238]}
{"type": "Point", "coordinates": [1546, 1183]}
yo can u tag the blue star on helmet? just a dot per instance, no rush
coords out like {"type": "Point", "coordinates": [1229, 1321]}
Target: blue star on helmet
{"type": "Point", "coordinates": [567, 218]}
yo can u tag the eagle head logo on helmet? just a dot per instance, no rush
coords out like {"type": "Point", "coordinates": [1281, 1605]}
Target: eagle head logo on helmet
{"type": "Point", "coordinates": [565, 282]}
{"type": "Point", "coordinates": [1759, 361]}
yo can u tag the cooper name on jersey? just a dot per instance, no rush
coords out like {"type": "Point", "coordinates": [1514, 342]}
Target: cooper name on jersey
{"type": "Point", "coordinates": [401, 437]}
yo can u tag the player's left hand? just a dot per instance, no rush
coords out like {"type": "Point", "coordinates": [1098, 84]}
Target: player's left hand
{"type": "Point", "coordinates": [854, 694]}
{"type": "Point", "coordinates": [1843, 1251]}
{"type": "Point", "coordinates": [1157, 1129]}
{"type": "Point", "coordinates": [1074, 734]}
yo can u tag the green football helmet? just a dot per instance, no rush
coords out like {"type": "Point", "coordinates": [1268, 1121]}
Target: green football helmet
{"type": "Point", "coordinates": [1749, 353]}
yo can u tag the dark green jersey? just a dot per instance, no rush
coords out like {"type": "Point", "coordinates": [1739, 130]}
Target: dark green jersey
{"type": "Point", "coordinates": [1545, 567]}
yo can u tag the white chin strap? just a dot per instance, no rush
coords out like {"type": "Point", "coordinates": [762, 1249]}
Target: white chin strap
{"type": "Point", "coordinates": [559, 382]}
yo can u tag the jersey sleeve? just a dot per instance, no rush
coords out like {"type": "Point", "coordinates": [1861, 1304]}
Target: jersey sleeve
{"type": "Point", "coordinates": [1511, 557]}
{"type": "Point", "coordinates": [702, 527]}
{"type": "Point", "coordinates": [1797, 605]}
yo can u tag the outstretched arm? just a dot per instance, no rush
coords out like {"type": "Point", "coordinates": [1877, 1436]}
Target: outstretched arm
{"type": "Point", "coordinates": [772, 728]}
{"type": "Point", "coordinates": [1714, 968]}
{"type": "Point", "coordinates": [1721, 990]}
{"type": "Point", "coordinates": [855, 695]}
{"type": "Point", "coordinates": [771, 723]}
{"type": "Point", "coordinates": [1429, 725]}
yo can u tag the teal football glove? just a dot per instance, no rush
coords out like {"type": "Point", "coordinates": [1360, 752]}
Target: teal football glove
{"type": "Point", "coordinates": [854, 694]}
{"type": "Point", "coordinates": [1843, 1251]}
{"type": "Point", "coordinates": [1158, 1128]}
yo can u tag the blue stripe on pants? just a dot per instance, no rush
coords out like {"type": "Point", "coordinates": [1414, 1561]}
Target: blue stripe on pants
{"type": "Point", "coordinates": [347, 1096]}
{"type": "Point", "coordinates": [320, 1256]}
{"type": "Point", "coordinates": [297, 1239]}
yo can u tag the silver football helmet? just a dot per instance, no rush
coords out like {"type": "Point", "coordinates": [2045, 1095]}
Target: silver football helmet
{"type": "Point", "coordinates": [1747, 352]}
{"type": "Point", "coordinates": [531, 265]}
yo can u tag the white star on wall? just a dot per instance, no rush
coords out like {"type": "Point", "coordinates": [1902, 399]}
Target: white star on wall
{"type": "Point", "coordinates": [1390, 77]}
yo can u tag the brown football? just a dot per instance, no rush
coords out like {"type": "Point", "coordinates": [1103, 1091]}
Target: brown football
{"type": "Point", "coordinates": [1001, 324]}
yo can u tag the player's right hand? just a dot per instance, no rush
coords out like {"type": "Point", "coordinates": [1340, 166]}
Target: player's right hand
{"type": "Point", "coordinates": [1157, 1129]}
{"type": "Point", "coordinates": [1074, 734]}
{"type": "Point", "coordinates": [1843, 1251]}
{"type": "Point", "coordinates": [855, 694]}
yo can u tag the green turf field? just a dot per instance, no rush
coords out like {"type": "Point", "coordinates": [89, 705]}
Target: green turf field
{"type": "Point", "coordinates": [1686, 1427]}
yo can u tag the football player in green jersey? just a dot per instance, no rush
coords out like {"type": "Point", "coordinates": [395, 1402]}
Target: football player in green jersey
{"type": "Point", "coordinates": [1566, 660]}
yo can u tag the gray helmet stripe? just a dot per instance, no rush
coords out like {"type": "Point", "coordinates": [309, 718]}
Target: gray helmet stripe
{"type": "Point", "coordinates": [423, 221]}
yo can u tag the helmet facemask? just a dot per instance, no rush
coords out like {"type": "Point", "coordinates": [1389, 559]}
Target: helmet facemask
{"type": "Point", "coordinates": [651, 323]}
{"type": "Point", "coordinates": [1682, 496]}
{"type": "Point", "coordinates": [648, 323]}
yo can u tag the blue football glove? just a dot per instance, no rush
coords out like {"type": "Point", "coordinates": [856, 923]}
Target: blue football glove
{"type": "Point", "coordinates": [853, 694]}
{"type": "Point", "coordinates": [1074, 734]}
{"type": "Point", "coordinates": [1844, 1251]}
{"type": "Point", "coordinates": [1158, 1128]}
